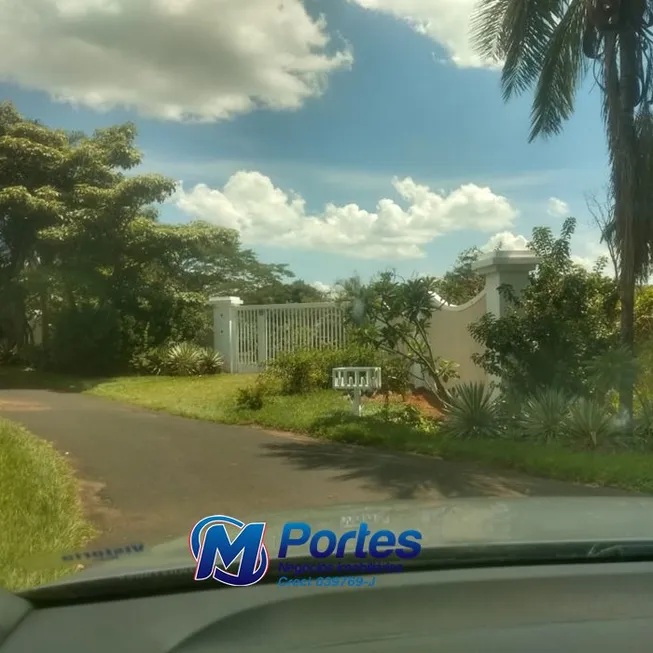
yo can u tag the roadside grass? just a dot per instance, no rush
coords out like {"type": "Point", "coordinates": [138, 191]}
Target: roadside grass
{"type": "Point", "coordinates": [327, 415]}
{"type": "Point", "coordinates": [40, 509]}
{"type": "Point", "coordinates": [210, 398]}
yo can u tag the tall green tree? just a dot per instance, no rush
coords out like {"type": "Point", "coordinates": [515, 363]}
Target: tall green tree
{"type": "Point", "coordinates": [551, 45]}
{"type": "Point", "coordinates": [462, 283]}
{"type": "Point", "coordinates": [295, 292]}
{"type": "Point", "coordinates": [83, 253]}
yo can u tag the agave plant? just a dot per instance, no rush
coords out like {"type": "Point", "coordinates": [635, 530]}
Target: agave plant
{"type": "Point", "coordinates": [544, 415]}
{"type": "Point", "coordinates": [590, 422]}
{"type": "Point", "coordinates": [470, 411]}
{"type": "Point", "coordinates": [182, 359]}
{"type": "Point", "coordinates": [211, 361]}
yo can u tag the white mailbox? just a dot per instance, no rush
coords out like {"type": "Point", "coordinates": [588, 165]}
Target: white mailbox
{"type": "Point", "coordinates": [356, 380]}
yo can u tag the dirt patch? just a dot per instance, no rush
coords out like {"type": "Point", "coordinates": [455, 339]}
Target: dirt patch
{"type": "Point", "coordinates": [20, 406]}
{"type": "Point", "coordinates": [421, 399]}
{"type": "Point", "coordinates": [97, 509]}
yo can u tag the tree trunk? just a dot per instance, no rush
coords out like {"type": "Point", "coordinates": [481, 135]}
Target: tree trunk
{"type": "Point", "coordinates": [624, 152]}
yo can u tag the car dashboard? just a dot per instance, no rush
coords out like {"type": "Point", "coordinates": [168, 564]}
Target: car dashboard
{"type": "Point", "coordinates": [598, 607]}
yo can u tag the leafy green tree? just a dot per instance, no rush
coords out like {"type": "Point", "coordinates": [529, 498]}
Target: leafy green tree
{"type": "Point", "coordinates": [549, 45]}
{"type": "Point", "coordinates": [296, 292]}
{"type": "Point", "coordinates": [461, 284]}
{"type": "Point", "coordinates": [565, 317]}
{"type": "Point", "coordinates": [394, 315]}
{"type": "Point", "coordinates": [83, 253]}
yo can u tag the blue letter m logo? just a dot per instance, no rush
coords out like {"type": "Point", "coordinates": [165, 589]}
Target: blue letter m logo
{"type": "Point", "coordinates": [218, 552]}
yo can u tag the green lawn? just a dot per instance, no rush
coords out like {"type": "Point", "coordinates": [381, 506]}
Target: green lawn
{"type": "Point", "coordinates": [40, 509]}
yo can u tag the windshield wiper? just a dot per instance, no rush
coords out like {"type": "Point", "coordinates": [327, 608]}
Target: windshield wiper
{"type": "Point", "coordinates": [434, 558]}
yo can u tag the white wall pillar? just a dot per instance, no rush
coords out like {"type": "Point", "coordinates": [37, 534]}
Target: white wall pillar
{"type": "Point", "coordinates": [225, 329]}
{"type": "Point", "coordinates": [504, 268]}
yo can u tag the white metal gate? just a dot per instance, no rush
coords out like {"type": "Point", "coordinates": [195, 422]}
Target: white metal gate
{"type": "Point", "coordinates": [264, 331]}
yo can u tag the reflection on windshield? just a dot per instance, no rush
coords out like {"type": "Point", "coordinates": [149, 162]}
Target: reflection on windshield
{"type": "Point", "coordinates": [318, 323]}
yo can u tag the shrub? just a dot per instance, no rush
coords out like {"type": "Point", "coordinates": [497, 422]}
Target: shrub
{"type": "Point", "coordinates": [149, 361]}
{"type": "Point", "coordinates": [251, 397]}
{"type": "Point", "coordinates": [210, 361]}
{"type": "Point", "coordinates": [395, 374]}
{"type": "Point", "coordinates": [644, 314]}
{"type": "Point", "coordinates": [609, 371]}
{"type": "Point", "coordinates": [544, 415]}
{"type": "Point", "coordinates": [297, 371]}
{"type": "Point", "coordinates": [182, 359]}
{"type": "Point", "coordinates": [590, 423]}
{"type": "Point", "coordinates": [178, 359]}
{"type": "Point", "coordinates": [564, 317]}
{"type": "Point", "coordinates": [471, 412]}
{"type": "Point", "coordinates": [401, 414]}
{"type": "Point", "coordinates": [307, 370]}
{"type": "Point", "coordinates": [89, 340]}
{"type": "Point", "coordinates": [643, 430]}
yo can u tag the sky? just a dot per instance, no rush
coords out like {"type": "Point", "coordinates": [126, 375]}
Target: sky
{"type": "Point", "coordinates": [337, 136]}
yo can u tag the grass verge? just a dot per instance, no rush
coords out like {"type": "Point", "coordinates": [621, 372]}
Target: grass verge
{"type": "Point", "coordinates": [40, 508]}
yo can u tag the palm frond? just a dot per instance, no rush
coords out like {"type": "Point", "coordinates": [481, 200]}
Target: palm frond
{"type": "Point", "coordinates": [562, 70]}
{"type": "Point", "coordinates": [487, 34]}
{"type": "Point", "coordinates": [516, 32]}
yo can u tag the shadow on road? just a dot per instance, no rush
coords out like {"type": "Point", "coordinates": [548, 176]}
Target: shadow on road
{"type": "Point", "coordinates": [15, 378]}
{"type": "Point", "coordinates": [410, 476]}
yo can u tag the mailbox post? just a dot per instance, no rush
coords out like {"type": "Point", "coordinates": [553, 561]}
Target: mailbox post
{"type": "Point", "coordinates": [356, 380]}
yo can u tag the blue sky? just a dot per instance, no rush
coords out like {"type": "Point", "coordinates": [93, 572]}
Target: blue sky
{"type": "Point", "coordinates": [386, 89]}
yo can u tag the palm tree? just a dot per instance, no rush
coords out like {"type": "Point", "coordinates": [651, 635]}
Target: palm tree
{"type": "Point", "coordinates": [551, 46]}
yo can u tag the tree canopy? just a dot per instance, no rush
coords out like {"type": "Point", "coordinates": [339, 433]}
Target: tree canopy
{"type": "Point", "coordinates": [461, 283]}
{"type": "Point", "coordinates": [83, 253]}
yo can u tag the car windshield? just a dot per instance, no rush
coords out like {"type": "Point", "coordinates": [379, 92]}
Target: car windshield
{"type": "Point", "coordinates": [339, 281]}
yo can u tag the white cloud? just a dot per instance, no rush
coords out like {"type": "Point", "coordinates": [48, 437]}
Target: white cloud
{"type": "Point", "coordinates": [557, 208]}
{"type": "Point", "coordinates": [322, 287]}
{"type": "Point", "coordinates": [447, 22]}
{"type": "Point", "coordinates": [173, 59]}
{"type": "Point", "coordinates": [330, 291]}
{"type": "Point", "coordinates": [586, 255]}
{"type": "Point", "coordinates": [505, 241]}
{"type": "Point", "coordinates": [265, 214]}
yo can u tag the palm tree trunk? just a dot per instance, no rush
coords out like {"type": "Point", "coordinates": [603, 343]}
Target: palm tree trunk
{"type": "Point", "coordinates": [623, 142]}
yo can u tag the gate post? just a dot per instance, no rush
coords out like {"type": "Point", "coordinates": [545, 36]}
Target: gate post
{"type": "Point", "coordinates": [504, 268]}
{"type": "Point", "coordinates": [225, 329]}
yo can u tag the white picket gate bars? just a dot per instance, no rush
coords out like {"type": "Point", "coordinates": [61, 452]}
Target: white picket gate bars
{"type": "Point", "coordinates": [249, 336]}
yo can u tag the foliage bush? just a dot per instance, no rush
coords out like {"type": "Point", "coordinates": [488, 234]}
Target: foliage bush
{"type": "Point", "coordinates": [543, 416]}
{"type": "Point", "coordinates": [471, 412]}
{"type": "Point", "coordinates": [307, 370]}
{"type": "Point", "coordinates": [564, 317]}
{"type": "Point", "coordinates": [251, 398]}
{"type": "Point", "coordinates": [394, 315]}
{"type": "Point", "coordinates": [179, 359]}
{"type": "Point", "coordinates": [403, 414]}
{"type": "Point", "coordinates": [644, 315]}
{"type": "Point", "coordinates": [90, 340]}
{"type": "Point", "coordinates": [590, 423]}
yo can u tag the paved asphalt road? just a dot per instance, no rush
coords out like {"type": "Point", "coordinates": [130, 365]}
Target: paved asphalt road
{"type": "Point", "coordinates": [148, 476]}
